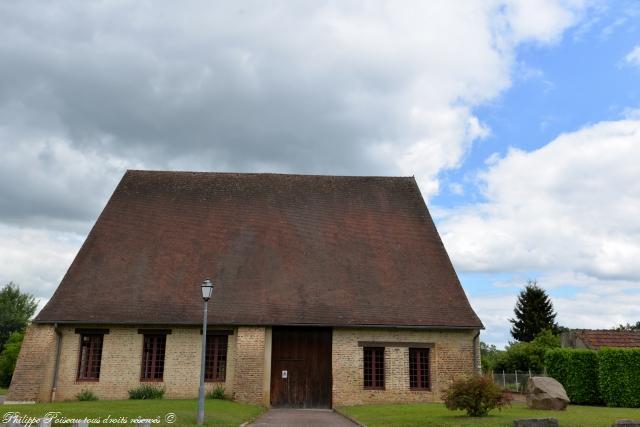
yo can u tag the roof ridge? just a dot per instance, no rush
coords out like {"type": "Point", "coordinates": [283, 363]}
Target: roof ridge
{"type": "Point", "coordinates": [185, 172]}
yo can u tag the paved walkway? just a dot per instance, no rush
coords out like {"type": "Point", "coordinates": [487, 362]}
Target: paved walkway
{"type": "Point", "coordinates": [302, 418]}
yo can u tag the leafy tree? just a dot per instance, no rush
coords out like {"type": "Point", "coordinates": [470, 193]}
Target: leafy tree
{"type": "Point", "coordinates": [16, 308]}
{"type": "Point", "coordinates": [523, 356]}
{"type": "Point", "coordinates": [9, 357]}
{"type": "Point", "coordinates": [489, 355]}
{"type": "Point", "coordinates": [629, 327]}
{"type": "Point", "coordinates": [534, 313]}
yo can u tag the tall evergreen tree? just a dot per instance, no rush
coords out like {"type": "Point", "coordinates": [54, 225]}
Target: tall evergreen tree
{"type": "Point", "coordinates": [534, 313]}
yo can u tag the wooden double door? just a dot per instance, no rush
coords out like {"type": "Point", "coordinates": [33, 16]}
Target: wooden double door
{"type": "Point", "coordinates": [301, 367]}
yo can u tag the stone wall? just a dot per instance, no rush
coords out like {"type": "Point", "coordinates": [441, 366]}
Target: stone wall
{"type": "Point", "coordinates": [451, 356]}
{"type": "Point", "coordinates": [121, 364]}
{"type": "Point", "coordinates": [250, 366]}
{"type": "Point", "coordinates": [33, 376]}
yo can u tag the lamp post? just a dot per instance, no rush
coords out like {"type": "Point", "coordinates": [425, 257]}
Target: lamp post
{"type": "Point", "coordinates": [207, 290]}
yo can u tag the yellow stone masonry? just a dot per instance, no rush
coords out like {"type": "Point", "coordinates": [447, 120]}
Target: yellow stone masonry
{"type": "Point", "coordinates": [120, 365]}
{"type": "Point", "coordinates": [33, 376]}
{"type": "Point", "coordinates": [248, 364]}
{"type": "Point", "coordinates": [249, 361]}
{"type": "Point", "coordinates": [451, 357]}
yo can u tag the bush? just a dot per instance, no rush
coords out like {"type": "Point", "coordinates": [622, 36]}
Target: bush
{"type": "Point", "coordinates": [524, 356]}
{"type": "Point", "coordinates": [86, 396]}
{"type": "Point", "coordinates": [619, 376]}
{"type": "Point", "coordinates": [489, 355]}
{"type": "Point", "coordinates": [216, 393]}
{"type": "Point", "coordinates": [476, 395]}
{"type": "Point", "coordinates": [146, 392]}
{"type": "Point", "coordinates": [9, 357]}
{"type": "Point", "coordinates": [577, 371]}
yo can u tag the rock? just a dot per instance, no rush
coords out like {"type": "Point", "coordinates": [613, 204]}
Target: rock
{"type": "Point", "coordinates": [546, 393]}
{"type": "Point", "coordinates": [536, 422]}
{"type": "Point", "coordinates": [627, 423]}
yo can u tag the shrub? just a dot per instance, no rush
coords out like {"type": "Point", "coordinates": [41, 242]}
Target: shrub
{"type": "Point", "coordinates": [145, 392]}
{"type": "Point", "coordinates": [216, 393]}
{"type": "Point", "coordinates": [577, 371]}
{"type": "Point", "coordinates": [476, 395]}
{"type": "Point", "coordinates": [619, 376]}
{"type": "Point", "coordinates": [524, 356]}
{"type": "Point", "coordinates": [9, 357]}
{"type": "Point", "coordinates": [86, 396]}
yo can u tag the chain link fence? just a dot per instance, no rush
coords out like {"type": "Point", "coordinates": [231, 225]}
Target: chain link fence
{"type": "Point", "coordinates": [515, 381]}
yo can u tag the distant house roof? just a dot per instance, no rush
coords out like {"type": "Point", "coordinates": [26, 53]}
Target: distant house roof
{"type": "Point", "coordinates": [280, 249]}
{"type": "Point", "coordinates": [594, 339]}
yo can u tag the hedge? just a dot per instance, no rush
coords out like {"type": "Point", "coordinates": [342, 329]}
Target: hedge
{"type": "Point", "coordinates": [577, 371]}
{"type": "Point", "coordinates": [619, 377]}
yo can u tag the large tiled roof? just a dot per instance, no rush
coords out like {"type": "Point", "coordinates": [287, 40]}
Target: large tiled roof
{"type": "Point", "coordinates": [281, 250]}
{"type": "Point", "coordinates": [595, 339]}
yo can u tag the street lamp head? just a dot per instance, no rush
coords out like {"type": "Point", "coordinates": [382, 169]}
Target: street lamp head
{"type": "Point", "coordinates": [207, 289]}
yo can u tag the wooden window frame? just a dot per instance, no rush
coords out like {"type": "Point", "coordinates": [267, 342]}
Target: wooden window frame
{"type": "Point", "coordinates": [216, 344]}
{"type": "Point", "coordinates": [377, 362]}
{"type": "Point", "coordinates": [417, 369]}
{"type": "Point", "coordinates": [90, 357]}
{"type": "Point", "coordinates": [154, 357]}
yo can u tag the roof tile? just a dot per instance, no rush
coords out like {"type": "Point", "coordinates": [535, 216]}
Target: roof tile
{"type": "Point", "coordinates": [280, 249]}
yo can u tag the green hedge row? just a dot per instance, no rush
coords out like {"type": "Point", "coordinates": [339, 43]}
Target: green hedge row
{"type": "Point", "coordinates": [611, 376]}
{"type": "Point", "coordinates": [577, 371]}
{"type": "Point", "coordinates": [620, 377]}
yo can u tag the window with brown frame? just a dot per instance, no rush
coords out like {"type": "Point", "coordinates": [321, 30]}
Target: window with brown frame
{"type": "Point", "coordinates": [90, 356]}
{"type": "Point", "coordinates": [419, 368]}
{"type": "Point", "coordinates": [153, 357]}
{"type": "Point", "coordinates": [374, 368]}
{"type": "Point", "coordinates": [216, 358]}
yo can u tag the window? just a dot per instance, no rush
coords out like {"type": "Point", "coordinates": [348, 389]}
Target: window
{"type": "Point", "coordinates": [216, 358]}
{"type": "Point", "coordinates": [419, 368]}
{"type": "Point", "coordinates": [90, 355]}
{"type": "Point", "coordinates": [374, 368]}
{"type": "Point", "coordinates": [153, 357]}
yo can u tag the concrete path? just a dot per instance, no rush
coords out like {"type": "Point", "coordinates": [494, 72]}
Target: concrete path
{"type": "Point", "coordinates": [302, 418]}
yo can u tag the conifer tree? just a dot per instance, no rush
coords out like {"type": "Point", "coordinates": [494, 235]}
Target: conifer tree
{"type": "Point", "coordinates": [533, 313]}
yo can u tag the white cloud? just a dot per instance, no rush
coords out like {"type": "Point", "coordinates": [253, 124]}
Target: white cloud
{"type": "Point", "coordinates": [633, 57]}
{"type": "Point", "coordinates": [88, 89]}
{"type": "Point", "coordinates": [539, 20]}
{"type": "Point", "coordinates": [571, 210]}
{"type": "Point", "coordinates": [313, 87]}
{"type": "Point", "coordinates": [573, 204]}
{"type": "Point", "coordinates": [36, 259]}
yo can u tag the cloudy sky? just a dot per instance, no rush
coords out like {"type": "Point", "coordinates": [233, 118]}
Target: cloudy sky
{"type": "Point", "coordinates": [519, 119]}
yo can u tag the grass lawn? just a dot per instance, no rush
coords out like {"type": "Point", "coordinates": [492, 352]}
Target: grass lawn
{"type": "Point", "coordinates": [217, 412]}
{"type": "Point", "coordinates": [435, 414]}
{"type": "Point", "coordinates": [3, 391]}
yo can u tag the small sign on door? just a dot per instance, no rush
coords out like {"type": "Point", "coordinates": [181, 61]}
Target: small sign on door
{"type": "Point", "coordinates": [284, 374]}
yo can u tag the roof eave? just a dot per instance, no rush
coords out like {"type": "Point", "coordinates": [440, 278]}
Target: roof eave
{"type": "Point", "coordinates": [349, 325]}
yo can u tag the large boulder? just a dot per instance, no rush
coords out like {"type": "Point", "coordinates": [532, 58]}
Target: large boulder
{"type": "Point", "coordinates": [546, 393]}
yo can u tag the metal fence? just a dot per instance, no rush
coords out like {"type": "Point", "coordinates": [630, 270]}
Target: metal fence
{"type": "Point", "coordinates": [515, 380]}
